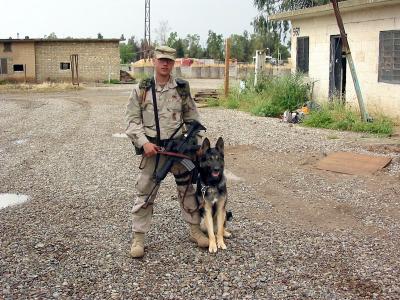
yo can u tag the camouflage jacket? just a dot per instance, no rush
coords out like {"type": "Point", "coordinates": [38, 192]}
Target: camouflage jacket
{"type": "Point", "coordinates": [174, 103]}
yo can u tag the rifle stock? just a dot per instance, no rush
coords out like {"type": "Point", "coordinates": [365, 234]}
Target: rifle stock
{"type": "Point", "coordinates": [182, 148]}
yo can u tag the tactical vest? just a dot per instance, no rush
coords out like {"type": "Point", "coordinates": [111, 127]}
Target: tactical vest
{"type": "Point", "coordinates": [182, 88]}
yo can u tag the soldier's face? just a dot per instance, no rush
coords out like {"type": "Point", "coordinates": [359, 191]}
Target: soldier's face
{"type": "Point", "coordinates": [163, 66]}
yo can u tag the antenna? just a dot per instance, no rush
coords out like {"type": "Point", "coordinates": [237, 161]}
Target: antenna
{"type": "Point", "coordinates": [147, 41]}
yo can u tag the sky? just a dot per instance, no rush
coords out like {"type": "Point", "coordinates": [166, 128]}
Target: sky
{"type": "Point", "coordinates": [86, 18]}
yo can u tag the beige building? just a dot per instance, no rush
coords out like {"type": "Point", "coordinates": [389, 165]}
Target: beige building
{"type": "Point", "coordinates": [38, 60]}
{"type": "Point", "coordinates": [373, 31]}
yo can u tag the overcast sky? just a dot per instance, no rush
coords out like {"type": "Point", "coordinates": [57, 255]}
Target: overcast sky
{"type": "Point", "coordinates": [86, 18]}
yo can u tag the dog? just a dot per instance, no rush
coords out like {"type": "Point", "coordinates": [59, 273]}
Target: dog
{"type": "Point", "coordinates": [212, 194]}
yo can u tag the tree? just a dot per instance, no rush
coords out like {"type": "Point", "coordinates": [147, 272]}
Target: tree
{"type": "Point", "coordinates": [283, 51]}
{"type": "Point", "coordinates": [194, 48]}
{"type": "Point", "coordinates": [177, 43]}
{"type": "Point", "coordinates": [129, 52]}
{"type": "Point", "coordinates": [171, 41]}
{"type": "Point", "coordinates": [52, 36]}
{"type": "Point", "coordinates": [99, 36]}
{"type": "Point", "coordinates": [162, 32]}
{"type": "Point", "coordinates": [270, 7]}
{"type": "Point", "coordinates": [215, 45]}
{"type": "Point", "coordinates": [122, 38]}
{"type": "Point", "coordinates": [240, 47]}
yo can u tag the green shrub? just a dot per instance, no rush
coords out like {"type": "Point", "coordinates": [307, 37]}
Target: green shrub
{"type": "Point", "coordinates": [211, 102]}
{"type": "Point", "coordinates": [271, 96]}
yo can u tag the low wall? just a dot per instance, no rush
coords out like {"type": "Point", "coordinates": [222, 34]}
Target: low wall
{"type": "Point", "coordinates": [214, 72]}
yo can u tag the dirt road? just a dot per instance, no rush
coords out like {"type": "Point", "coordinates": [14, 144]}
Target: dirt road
{"type": "Point", "coordinates": [299, 232]}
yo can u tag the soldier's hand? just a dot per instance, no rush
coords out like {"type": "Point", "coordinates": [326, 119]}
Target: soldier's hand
{"type": "Point", "coordinates": [150, 149]}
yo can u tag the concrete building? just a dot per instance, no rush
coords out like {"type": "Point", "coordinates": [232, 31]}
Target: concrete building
{"type": "Point", "coordinates": [373, 31]}
{"type": "Point", "coordinates": [38, 60]}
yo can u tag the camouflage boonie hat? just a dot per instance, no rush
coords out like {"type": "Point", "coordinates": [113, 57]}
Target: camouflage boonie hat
{"type": "Point", "coordinates": [164, 52]}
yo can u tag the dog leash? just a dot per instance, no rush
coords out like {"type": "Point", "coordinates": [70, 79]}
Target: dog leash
{"type": "Point", "coordinates": [162, 151]}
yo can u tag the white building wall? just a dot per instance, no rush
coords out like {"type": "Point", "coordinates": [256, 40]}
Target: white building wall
{"type": "Point", "coordinates": [362, 28]}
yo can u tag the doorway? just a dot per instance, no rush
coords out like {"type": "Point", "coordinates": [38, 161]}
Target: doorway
{"type": "Point", "coordinates": [337, 70]}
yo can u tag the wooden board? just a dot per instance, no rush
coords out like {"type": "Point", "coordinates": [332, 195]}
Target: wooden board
{"type": "Point", "coordinates": [352, 163]}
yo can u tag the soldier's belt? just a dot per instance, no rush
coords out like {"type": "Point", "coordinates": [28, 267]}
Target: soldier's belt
{"type": "Point", "coordinates": [163, 143]}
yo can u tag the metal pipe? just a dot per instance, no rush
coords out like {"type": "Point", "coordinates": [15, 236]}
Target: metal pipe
{"type": "Point", "coordinates": [364, 113]}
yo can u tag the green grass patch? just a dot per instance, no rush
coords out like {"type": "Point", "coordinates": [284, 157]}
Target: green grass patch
{"type": "Point", "coordinates": [212, 102]}
{"type": "Point", "coordinates": [271, 96]}
{"type": "Point", "coordinates": [340, 117]}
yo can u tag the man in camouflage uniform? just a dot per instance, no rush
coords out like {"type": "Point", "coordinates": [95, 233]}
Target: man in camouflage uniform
{"type": "Point", "coordinates": [174, 105]}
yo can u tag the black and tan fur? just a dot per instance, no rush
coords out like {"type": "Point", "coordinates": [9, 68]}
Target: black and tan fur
{"type": "Point", "coordinates": [212, 193]}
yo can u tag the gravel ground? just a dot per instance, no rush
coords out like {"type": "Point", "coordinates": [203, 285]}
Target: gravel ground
{"type": "Point", "coordinates": [299, 232]}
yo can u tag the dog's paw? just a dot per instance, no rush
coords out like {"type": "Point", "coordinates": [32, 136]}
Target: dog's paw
{"type": "Point", "coordinates": [227, 234]}
{"type": "Point", "coordinates": [212, 248]}
{"type": "Point", "coordinates": [221, 244]}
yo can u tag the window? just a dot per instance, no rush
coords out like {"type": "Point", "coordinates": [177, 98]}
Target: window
{"type": "Point", "coordinates": [302, 54]}
{"type": "Point", "coordinates": [65, 66]}
{"type": "Point", "coordinates": [18, 68]}
{"type": "Point", "coordinates": [389, 56]}
{"type": "Point", "coordinates": [7, 47]}
{"type": "Point", "coordinates": [3, 65]}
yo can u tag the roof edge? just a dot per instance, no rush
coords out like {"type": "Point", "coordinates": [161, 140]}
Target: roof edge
{"type": "Point", "coordinates": [327, 9]}
{"type": "Point", "coordinates": [58, 40]}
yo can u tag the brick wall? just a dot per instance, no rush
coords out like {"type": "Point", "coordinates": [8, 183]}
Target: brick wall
{"type": "Point", "coordinates": [96, 60]}
{"type": "Point", "coordinates": [22, 53]}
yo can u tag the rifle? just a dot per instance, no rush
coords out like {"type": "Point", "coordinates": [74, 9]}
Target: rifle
{"type": "Point", "coordinates": [182, 147]}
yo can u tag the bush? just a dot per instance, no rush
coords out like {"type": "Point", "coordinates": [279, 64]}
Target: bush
{"type": "Point", "coordinates": [271, 96]}
{"type": "Point", "coordinates": [211, 102]}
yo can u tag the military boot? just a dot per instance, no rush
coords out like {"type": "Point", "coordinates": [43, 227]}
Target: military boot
{"type": "Point", "coordinates": [196, 235]}
{"type": "Point", "coordinates": [137, 249]}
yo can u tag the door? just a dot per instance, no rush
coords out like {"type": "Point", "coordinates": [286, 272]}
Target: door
{"type": "Point", "coordinates": [337, 70]}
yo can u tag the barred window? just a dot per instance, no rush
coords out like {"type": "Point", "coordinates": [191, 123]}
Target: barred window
{"type": "Point", "coordinates": [389, 56]}
{"type": "Point", "coordinates": [302, 54]}
{"type": "Point", "coordinates": [3, 66]}
{"type": "Point", "coordinates": [65, 66]}
{"type": "Point", "coordinates": [18, 68]}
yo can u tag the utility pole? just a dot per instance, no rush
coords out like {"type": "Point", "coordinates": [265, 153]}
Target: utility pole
{"type": "Point", "coordinates": [227, 56]}
{"type": "Point", "coordinates": [147, 41]}
{"type": "Point", "coordinates": [364, 114]}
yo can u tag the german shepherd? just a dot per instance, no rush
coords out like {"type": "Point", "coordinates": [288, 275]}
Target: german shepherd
{"type": "Point", "coordinates": [212, 193]}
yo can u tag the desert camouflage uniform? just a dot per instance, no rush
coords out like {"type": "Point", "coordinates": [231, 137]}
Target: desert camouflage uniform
{"type": "Point", "coordinates": [172, 109]}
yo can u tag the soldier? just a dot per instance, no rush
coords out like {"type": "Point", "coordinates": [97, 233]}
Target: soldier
{"type": "Point", "coordinates": [174, 105]}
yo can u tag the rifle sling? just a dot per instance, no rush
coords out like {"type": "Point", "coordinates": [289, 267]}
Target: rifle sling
{"type": "Point", "coordinates": [153, 93]}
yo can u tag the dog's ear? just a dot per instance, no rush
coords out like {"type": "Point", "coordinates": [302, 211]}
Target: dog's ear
{"type": "Point", "coordinates": [205, 146]}
{"type": "Point", "coordinates": [220, 145]}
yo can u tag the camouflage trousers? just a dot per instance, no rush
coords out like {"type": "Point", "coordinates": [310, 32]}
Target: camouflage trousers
{"type": "Point", "coordinates": [142, 212]}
